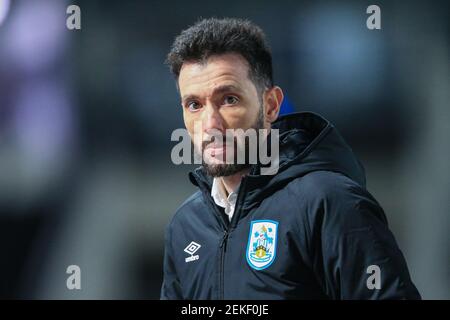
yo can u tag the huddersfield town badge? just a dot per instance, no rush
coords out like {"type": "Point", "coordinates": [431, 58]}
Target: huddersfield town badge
{"type": "Point", "coordinates": [262, 243]}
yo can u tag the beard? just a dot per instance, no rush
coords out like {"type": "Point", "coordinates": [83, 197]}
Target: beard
{"type": "Point", "coordinates": [228, 169]}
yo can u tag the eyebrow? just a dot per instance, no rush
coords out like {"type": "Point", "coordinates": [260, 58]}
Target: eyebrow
{"type": "Point", "coordinates": [218, 90]}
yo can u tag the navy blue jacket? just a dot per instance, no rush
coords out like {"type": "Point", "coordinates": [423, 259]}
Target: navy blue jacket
{"type": "Point", "coordinates": [312, 231]}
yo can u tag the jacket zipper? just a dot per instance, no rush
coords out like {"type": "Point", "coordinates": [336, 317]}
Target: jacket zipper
{"type": "Point", "coordinates": [223, 248]}
{"type": "Point", "coordinates": [223, 242]}
{"type": "Point", "coordinates": [223, 245]}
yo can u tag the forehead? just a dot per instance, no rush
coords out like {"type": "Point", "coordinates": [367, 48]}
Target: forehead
{"type": "Point", "coordinates": [229, 69]}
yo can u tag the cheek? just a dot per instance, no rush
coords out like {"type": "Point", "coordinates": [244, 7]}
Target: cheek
{"type": "Point", "coordinates": [188, 121]}
{"type": "Point", "coordinates": [242, 117]}
{"type": "Point", "coordinates": [194, 128]}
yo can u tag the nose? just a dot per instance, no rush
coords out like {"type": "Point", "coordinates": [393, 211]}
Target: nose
{"type": "Point", "coordinates": [212, 119]}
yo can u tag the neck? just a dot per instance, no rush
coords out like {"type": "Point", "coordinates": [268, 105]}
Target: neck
{"type": "Point", "coordinates": [233, 181]}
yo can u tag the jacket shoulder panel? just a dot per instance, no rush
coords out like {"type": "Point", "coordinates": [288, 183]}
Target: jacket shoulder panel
{"type": "Point", "coordinates": [188, 206]}
{"type": "Point", "coordinates": [331, 198]}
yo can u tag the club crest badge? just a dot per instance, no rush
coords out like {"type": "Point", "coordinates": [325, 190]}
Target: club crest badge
{"type": "Point", "coordinates": [262, 244]}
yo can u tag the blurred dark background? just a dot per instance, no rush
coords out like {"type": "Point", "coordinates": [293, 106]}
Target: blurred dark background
{"type": "Point", "coordinates": [86, 117]}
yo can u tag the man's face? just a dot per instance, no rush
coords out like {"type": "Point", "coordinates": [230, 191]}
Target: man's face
{"type": "Point", "coordinates": [218, 95]}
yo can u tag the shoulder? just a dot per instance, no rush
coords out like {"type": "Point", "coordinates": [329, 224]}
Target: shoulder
{"type": "Point", "coordinates": [190, 206]}
{"type": "Point", "coordinates": [332, 197]}
{"type": "Point", "coordinates": [194, 200]}
{"type": "Point", "coordinates": [324, 185]}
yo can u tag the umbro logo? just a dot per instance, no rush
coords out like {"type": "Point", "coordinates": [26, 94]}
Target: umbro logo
{"type": "Point", "coordinates": [191, 249]}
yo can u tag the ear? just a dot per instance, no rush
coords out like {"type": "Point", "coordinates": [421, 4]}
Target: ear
{"type": "Point", "coordinates": [273, 100]}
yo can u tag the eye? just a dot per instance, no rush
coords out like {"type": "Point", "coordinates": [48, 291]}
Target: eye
{"type": "Point", "coordinates": [193, 105]}
{"type": "Point", "coordinates": [230, 100]}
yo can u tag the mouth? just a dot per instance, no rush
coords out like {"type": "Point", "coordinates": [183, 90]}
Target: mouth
{"type": "Point", "coordinates": [215, 149]}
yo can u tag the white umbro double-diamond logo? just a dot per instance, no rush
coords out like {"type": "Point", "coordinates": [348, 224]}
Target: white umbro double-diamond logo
{"type": "Point", "coordinates": [191, 249]}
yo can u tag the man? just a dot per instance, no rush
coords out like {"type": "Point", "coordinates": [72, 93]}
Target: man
{"type": "Point", "coordinates": [309, 231]}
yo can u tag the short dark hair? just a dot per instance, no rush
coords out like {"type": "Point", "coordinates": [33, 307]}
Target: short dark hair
{"type": "Point", "coordinates": [215, 36]}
